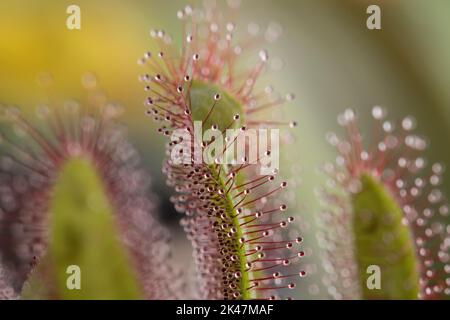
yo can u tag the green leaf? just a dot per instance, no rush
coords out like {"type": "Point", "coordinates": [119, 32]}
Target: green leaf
{"type": "Point", "coordinates": [83, 232]}
{"type": "Point", "coordinates": [381, 239]}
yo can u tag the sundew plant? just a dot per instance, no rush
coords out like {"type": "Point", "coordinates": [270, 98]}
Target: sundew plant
{"type": "Point", "coordinates": [72, 194]}
{"type": "Point", "coordinates": [234, 216]}
{"type": "Point", "coordinates": [385, 209]}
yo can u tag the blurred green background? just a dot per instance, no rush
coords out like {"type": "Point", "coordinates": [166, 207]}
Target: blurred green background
{"type": "Point", "coordinates": [332, 61]}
